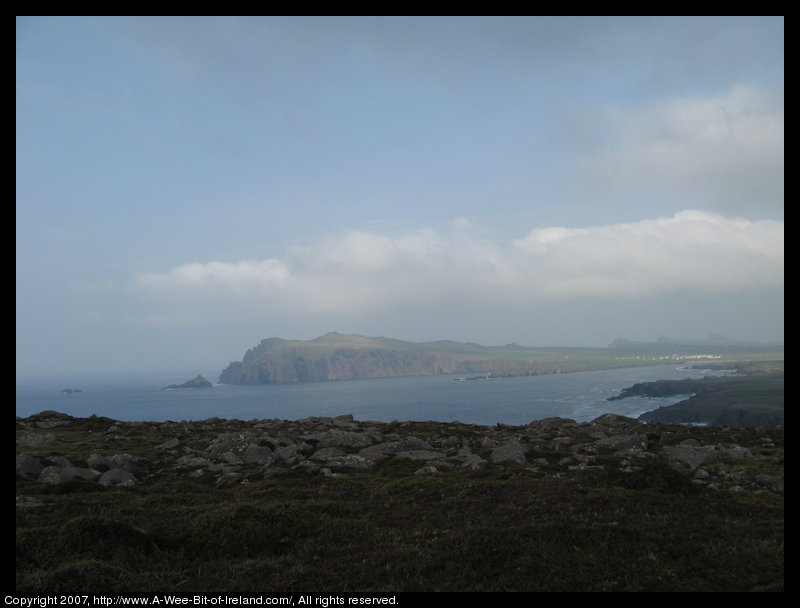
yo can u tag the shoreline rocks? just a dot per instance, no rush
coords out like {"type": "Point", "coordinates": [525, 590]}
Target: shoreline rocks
{"type": "Point", "coordinates": [752, 399]}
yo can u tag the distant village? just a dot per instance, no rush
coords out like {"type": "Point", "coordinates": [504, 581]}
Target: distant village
{"type": "Point", "coordinates": [669, 357]}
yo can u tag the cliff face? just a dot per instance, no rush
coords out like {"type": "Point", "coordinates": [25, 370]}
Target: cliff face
{"type": "Point", "coordinates": [347, 357]}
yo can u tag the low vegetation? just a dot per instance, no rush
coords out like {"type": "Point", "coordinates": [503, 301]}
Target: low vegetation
{"type": "Point", "coordinates": [484, 531]}
{"type": "Point", "coordinates": [753, 398]}
{"type": "Point", "coordinates": [581, 511]}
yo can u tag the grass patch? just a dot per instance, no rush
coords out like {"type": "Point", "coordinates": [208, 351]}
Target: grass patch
{"type": "Point", "coordinates": [544, 526]}
{"type": "Point", "coordinates": [456, 531]}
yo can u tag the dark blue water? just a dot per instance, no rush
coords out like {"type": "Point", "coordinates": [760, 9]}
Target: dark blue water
{"type": "Point", "coordinates": [581, 396]}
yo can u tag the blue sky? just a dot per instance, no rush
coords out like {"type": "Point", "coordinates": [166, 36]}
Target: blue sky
{"type": "Point", "coordinates": [187, 186]}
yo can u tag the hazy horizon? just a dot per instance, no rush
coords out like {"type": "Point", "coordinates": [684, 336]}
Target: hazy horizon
{"type": "Point", "coordinates": [188, 186]}
{"type": "Point", "coordinates": [180, 373]}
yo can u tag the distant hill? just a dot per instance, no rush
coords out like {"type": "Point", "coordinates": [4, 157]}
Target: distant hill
{"type": "Point", "coordinates": [336, 356]}
{"type": "Point", "coordinates": [714, 340]}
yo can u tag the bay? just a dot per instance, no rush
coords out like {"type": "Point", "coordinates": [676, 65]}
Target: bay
{"type": "Point", "coordinates": [581, 396]}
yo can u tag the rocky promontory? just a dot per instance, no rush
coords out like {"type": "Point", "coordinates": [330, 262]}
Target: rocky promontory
{"type": "Point", "coordinates": [755, 398]}
{"type": "Point", "coordinates": [336, 356]}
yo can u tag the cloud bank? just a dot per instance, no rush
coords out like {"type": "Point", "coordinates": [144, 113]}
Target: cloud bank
{"type": "Point", "coordinates": [725, 151]}
{"type": "Point", "coordinates": [363, 272]}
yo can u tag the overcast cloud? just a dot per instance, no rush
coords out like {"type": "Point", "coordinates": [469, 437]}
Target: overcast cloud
{"type": "Point", "coordinates": [187, 186]}
{"type": "Point", "coordinates": [692, 251]}
{"type": "Point", "coordinates": [723, 150]}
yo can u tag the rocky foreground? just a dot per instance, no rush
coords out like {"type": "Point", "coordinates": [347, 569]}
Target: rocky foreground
{"type": "Point", "coordinates": [54, 448]}
{"type": "Point", "coordinates": [341, 505]}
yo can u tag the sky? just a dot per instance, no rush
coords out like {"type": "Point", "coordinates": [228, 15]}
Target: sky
{"type": "Point", "coordinates": [188, 186]}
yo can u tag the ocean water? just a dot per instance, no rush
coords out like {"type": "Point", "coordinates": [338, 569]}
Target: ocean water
{"type": "Point", "coordinates": [581, 396]}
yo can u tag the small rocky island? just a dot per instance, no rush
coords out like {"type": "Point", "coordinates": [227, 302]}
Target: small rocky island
{"type": "Point", "coordinates": [197, 382]}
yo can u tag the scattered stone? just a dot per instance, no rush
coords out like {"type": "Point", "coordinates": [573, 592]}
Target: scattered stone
{"type": "Point", "coordinates": [339, 438]}
{"type": "Point", "coordinates": [511, 451]}
{"type": "Point", "coordinates": [562, 442]}
{"type": "Point", "coordinates": [28, 466]}
{"type": "Point", "coordinates": [391, 448]}
{"type": "Point", "coordinates": [694, 456]}
{"type": "Point", "coordinates": [170, 444]}
{"type": "Point", "coordinates": [689, 455]}
{"type": "Point", "coordinates": [274, 471]}
{"type": "Point", "coordinates": [553, 422]}
{"type": "Point", "coordinates": [351, 461]}
{"type": "Point", "coordinates": [420, 455]}
{"type": "Point", "coordinates": [259, 454]}
{"type": "Point", "coordinates": [98, 462]}
{"type": "Point", "coordinates": [50, 424]}
{"type": "Point", "coordinates": [117, 477]}
{"type": "Point", "coordinates": [28, 502]}
{"type": "Point", "coordinates": [129, 462]}
{"type": "Point", "coordinates": [59, 461]}
{"type": "Point", "coordinates": [288, 452]}
{"type": "Point", "coordinates": [326, 454]}
{"type": "Point", "coordinates": [773, 483]}
{"type": "Point", "coordinates": [306, 466]}
{"type": "Point", "coordinates": [345, 421]}
{"type": "Point", "coordinates": [488, 442]}
{"type": "Point", "coordinates": [32, 440]}
{"type": "Point", "coordinates": [229, 458]}
{"type": "Point", "coordinates": [615, 420]}
{"type": "Point", "coordinates": [227, 480]}
{"type": "Point", "coordinates": [733, 453]}
{"type": "Point", "coordinates": [54, 474]}
{"type": "Point", "coordinates": [193, 462]}
{"type": "Point", "coordinates": [426, 470]}
{"type": "Point", "coordinates": [623, 442]}
{"type": "Point", "coordinates": [226, 453]}
{"type": "Point", "coordinates": [470, 460]}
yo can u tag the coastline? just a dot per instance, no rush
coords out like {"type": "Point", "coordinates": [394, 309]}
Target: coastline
{"type": "Point", "coordinates": [754, 397]}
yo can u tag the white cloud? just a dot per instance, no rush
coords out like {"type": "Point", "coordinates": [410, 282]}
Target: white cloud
{"type": "Point", "coordinates": [691, 250]}
{"type": "Point", "coordinates": [212, 276]}
{"type": "Point", "coordinates": [724, 150]}
{"type": "Point", "coordinates": [359, 273]}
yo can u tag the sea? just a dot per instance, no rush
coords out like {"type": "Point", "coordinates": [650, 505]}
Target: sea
{"type": "Point", "coordinates": [581, 396]}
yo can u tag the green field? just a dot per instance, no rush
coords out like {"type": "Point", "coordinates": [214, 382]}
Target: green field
{"type": "Point", "coordinates": [753, 398]}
